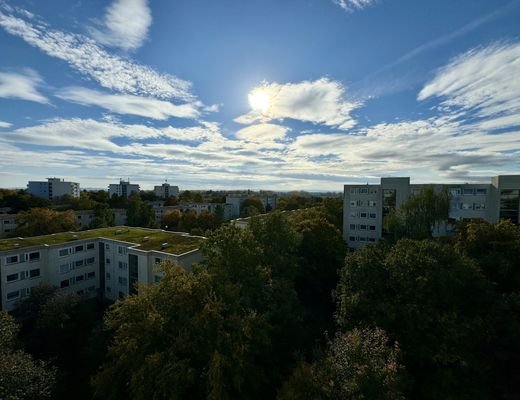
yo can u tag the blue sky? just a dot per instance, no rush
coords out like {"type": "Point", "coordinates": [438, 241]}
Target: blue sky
{"type": "Point", "coordinates": [260, 94]}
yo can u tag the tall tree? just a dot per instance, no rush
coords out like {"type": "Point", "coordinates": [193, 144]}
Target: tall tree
{"type": "Point", "coordinates": [139, 213]}
{"type": "Point", "coordinates": [43, 221]}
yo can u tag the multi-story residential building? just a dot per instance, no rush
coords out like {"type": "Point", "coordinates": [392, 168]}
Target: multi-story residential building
{"type": "Point", "coordinates": [166, 190]}
{"type": "Point", "coordinates": [365, 206]}
{"type": "Point", "coordinates": [122, 189]}
{"type": "Point", "coordinates": [105, 262]}
{"type": "Point", "coordinates": [8, 224]}
{"type": "Point", "coordinates": [53, 188]}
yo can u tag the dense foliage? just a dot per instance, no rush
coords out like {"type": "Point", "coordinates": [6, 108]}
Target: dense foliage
{"type": "Point", "coordinates": [43, 221]}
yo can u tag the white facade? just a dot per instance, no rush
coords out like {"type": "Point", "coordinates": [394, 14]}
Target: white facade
{"type": "Point", "coordinates": [88, 267]}
{"type": "Point", "coordinates": [365, 206]}
{"type": "Point", "coordinates": [166, 190]}
{"type": "Point", "coordinates": [53, 188]}
{"type": "Point", "coordinates": [122, 189]}
{"type": "Point", "coordinates": [8, 224]}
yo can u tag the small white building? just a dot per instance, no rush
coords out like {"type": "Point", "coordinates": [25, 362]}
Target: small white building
{"type": "Point", "coordinates": [166, 190]}
{"type": "Point", "coordinates": [53, 188]}
{"type": "Point", "coordinates": [8, 224]}
{"type": "Point", "coordinates": [122, 189]}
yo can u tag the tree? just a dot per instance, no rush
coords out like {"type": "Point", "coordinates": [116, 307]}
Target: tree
{"type": "Point", "coordinates": [435, 302]}
{"type": "Point", "coordinates": [419, 215]}
{"type": "Point", "coordinates": [139, 213]}
{"type": "Point", "coordinates": [360, 364]}
{"type": "Point", "coordinates": [21, 377]}
{"type": "Point", "coordinates": [20, 200]}
{"type": "Point", "coordinates": [42, 221]}
{"type": "Point", "coordinates": [251, 207]}
{"type": "Point", "coordinates": [172, 220]}
{"type": "Point", "coordinates": [103, 217]}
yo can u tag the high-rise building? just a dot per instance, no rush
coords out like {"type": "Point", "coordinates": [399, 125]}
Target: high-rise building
{"type": "Point", "coordinates": [166, 190]}
{"type": "Point", "coordinates": [122, 189]}
{"type": "Point", "coordinates": [53, 188]}
{"type": "Point", "coordinates": [365, 206]}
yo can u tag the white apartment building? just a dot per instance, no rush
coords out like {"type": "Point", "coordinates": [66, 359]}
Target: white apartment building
{"type": "Point", "coordinates": [104, 262]}
{"type": "Point", "coordinates": [122, 189]}
{"type": "Point", "coordinates": [365, 206]}
{"type": "Point", "coordinates": [8, 224]}
{"type": "Point", "coordinates": [53, 188]}
{"type": "Point", "coordinates": [166, 190]}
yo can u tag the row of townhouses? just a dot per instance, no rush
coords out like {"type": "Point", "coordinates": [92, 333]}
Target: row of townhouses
{"type": "Point", "coordinates": [105, 262]}
{"type": "Point", "coordinates": [365, 206]}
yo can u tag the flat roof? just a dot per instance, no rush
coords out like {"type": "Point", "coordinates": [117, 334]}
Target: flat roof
{"type": "Point", "coordinates": [178, 242]}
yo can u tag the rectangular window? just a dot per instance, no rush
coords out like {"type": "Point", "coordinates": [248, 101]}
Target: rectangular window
{"type": "Point", "coordinates": [359, 203]}
{"type": "Point", "coordinates": [90, 246]}
{"type": "Point", "coordinates": [108, 275]}
{"type": "Point", "coordinates": [107, 261]}
{"type": "Point", "coordinates": [353, 190]}
{"type": "Point", "coordinates": [371, 227]}
{"type": "Point", "coordinates": [79, 264]}
{"type": "Point", "coordinates": [363, 191]}
{"type": "Point", "coordinates": [64, 252]}
{"type": "Point", "coordinates": [80, 278]}
{"type": "Point", "coordinates": [479, 206]}
{"type": "Point", "coordinates": [65, 283]}
{"type": "Point", "coordinates": [107, 247]}
{"type": "Point", "coordinates": [157, 260]}
{"type": "Point", "coordinates": [455, 191]}
{"type": "Point", "coordinates": [64, 268]}
{"type": "Point", "coordinates": [157, 278]}
{"type": "Point", "coordinates": [372, 203]}
{"type": "Point", "coordinates": [119, 249]}
{"type": "Point", "coordinates": [467, 192]}
{"type": "Point", "coordinates": [90, 260]}
{"type": "Point", "coordinates": [122, 281]}
{"type": "Point", "coordinates": [373, 191]}
{"type": "Point", "coordinates": [481, 191]}
{"type": "Point", "coordinates": [12, 277]}
{"type": "Point", "coordinates": [352, 227]}
{"type": "Point", "coordinates": [11, 259]}
{"type": "Point", "coordinates": [34, 256]}
{"type": "Point", "coordinates": [362, 227]}
{"type": "Point", "coordinates": [351, 238]}
{"type": "Point", "coordinates": [467, 206]}
{"type": "Point", "coordinates": [91, 275]}
{"type": "Point", "coordinates": [372, 215]}
{"type": "Point", "coordinates": [353, 215]}
{"type": "Point", "coordinates": [34, 273]}
{"type": "Point", "coordinates": [78, 248]}
{"type": "Point", "coordinates": [13, 295]}
{"type": "Point", "coordinates": [363, 215]}
{"type": "Point", "coordinates": [362, 239]}
{"type": "Point", "coordinates": [371, 239]}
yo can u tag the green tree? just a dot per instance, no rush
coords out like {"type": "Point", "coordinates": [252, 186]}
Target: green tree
{"type": "Point", "coordinates": [42, 221]}
{"type": "Point", "coordinates": [21, 376]}
{"type": "Point", "coordinates": [103, 217]}
{"type": "Point", "coordinates": [420, 214]}
{"type": "Point", "coordinates": [251, 207]}
{"type": "Point", "coordinates": [139, 213]}
{"type": "Point", "coordinates": [358, 365]}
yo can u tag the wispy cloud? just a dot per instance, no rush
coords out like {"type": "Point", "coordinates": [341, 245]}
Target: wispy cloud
{"type": "Point", "coordinates": [4, 124]}
{"type": "Point", "coordinates": [88, 58]}
{"type": "Point", "coordinates": [322, 102]}
{"type": "Point", "coordinates": [353, 5]}
{"type": "Point", "coordinates": [125, 24]}
{"type": "Point", "coordinates": [22, 86]}
{"type": "Point", "coordinates": [129, 104]}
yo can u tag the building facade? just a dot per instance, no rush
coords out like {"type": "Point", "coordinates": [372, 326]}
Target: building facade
{"type": "Point", "coordinates": [365, 206]}
{"type": "Point", "coordinates": [122, 189]}
{"type": "Point", "coordinates": [93, 266]}
{"type": "Point", "coordinates": [53, 188]}
{"type": "Point", "coordinates": [166, 190]}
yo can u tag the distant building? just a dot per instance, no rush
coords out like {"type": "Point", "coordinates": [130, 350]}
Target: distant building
{"type": "Point", "coordinates": [166, 190]}
{"type": "Point", "coordinates": [269, 201]}
{"type": "Point", "coordinates": [53, 188]}
{"type": "Point", "coordinates": [365, 206]}
{"type": "Point", "coordinates": [8, 224]}
{"type": "Point", "coordinates": [122, 189]}
{"type": "Point", "coordinates": [105, 262]}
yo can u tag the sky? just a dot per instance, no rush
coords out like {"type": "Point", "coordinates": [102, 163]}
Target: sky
{"type": "Point", "coordinates": [258, 94]}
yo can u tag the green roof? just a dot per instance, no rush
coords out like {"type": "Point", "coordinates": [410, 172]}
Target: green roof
{"type": "Point", "coordinates": [148, 239]}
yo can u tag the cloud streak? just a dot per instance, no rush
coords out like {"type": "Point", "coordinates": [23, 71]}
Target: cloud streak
{"type": "Point", "coordinates": [22, 86]}
{"type": "Point", "coordinates": [353, 5]}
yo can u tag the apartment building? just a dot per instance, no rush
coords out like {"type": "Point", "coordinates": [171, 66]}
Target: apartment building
{"type": "Point", "coordinates": [166, 190]}
{"type": "Point", "coordinates": [365, 206]}
{"type": "Point", "coordinates": [8, 224]}
{"type": "Point", "coordinates": [105, 262]}
{"type": "Point", "coordinates": [269, 201]}
{"type": "Point", "coordinates": [53, 188]}
{"type": "Point", "coordinates": [122, 189]}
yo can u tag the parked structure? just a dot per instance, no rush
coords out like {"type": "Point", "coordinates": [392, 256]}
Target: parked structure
{"type": "Point", "coordinates": [122, 189]}
{"type": "Point", "coordinates": [53, 188]}
{"type": "Point", "coordinates": [166, 190]}
{"type": "Point", "coordinates": [365, 206]}
{"type": "Point", "coordinates": [105, 262]}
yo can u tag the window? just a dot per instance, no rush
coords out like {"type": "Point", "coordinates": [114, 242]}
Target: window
{"type": "Point", "coordinates": [122, 265]}
{"type": "Point", "coordinates": [90, 246]}
{"type": "Point", "coordinates": [481, 191]}
{"type": "Point", "coordinates": [78, 248]}
{"type": "Point", "coordinates": [373, 191]}
{"type": "Point", "coordinates": [353, 203]}
{"type": "Point", "coordinates": [372, 215]}
{"type": "Point", "coordinates": [80, 278]}
{"type": "Point", "coordinates": [64, 252]}
{"type": "Point", "coordinates": [359, 203]}
{"type": "Point", "coordinates": [91, 289]}
{"type": "Point", "coordinates": [372, 203]}
{"type": "Point", "coordinates": [157, 260]}
{"type": "Point", "coordinates": [362, 227]}
{"type": "Point", "coordinates": [64, 268]}
{"type": "Point", "coordinates": [371, 227]}
{"type": "Point", "coordinates": [371, 239]}
{"type": "Point", "coordinates": [34, 273]}
{"type": "Point", "coordinates": [363, 215]}
{"type": "Point", "coordinates": [107, 261]}
{"type": "Point", "coordinates": [13, 295]}
{"type": "Point", "coordinates": [90, 260]}
{"type": "Point", "coordinates": [122, 281]}
{"type": "Point", "coordinates": [11, 259]}
{"type": "Point", "coordinates": [363, 191]}
{"type": "Point", "coordinates": [352, 227]}
{"type": "Point", "coordinates": [467, 192]}
{"type": "Point", "coordinates": [121, 295]}
{"type": "Point", "coordinates": [351, 238]}
{"type": "Point", "coordinates": [108, 289]}
{"type": "Point", "coordinates": [353, 215]}
{"type": "Point", "coordinates": [79, 263]}
{"type": "Point", "coordinates": [65, 283]}
{"type": "Point", "coordinates": [353, 190]}
{"type": "Point", "coordinates": [362, 239]}
{"type": "Point", "coordinates": [34, 256]}
{"type": "Point", "coordinates": [455, 191]}
{"type": "Point", "coordinates": [12, 277]}
{"type": "Point", "coordinates": [108, 275]}
{"type": "Point", "coordinates": [91, 275]}
{"type": "Point", "coordinates": [479, 206]}
{"type": "Point", "coordinates": [467, 206]}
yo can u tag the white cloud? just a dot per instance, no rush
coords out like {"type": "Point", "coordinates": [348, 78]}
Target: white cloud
{"type": "Point", "coordinates": [262, 133]}
{"type": "Point", "coordinates": [353, 5]}
{"type": "Point", "coordinates": [483, 81]}
{"type": "Point", "coordinates": [84, 55]}
{"type": "Point", "coordinates": [4, 124]}
{"type": "Point", "coordinates": [125, 24]}
{"type": "Point", "coordinates": [22, 86]}
{"type": "Point", "coordinates": [321, 101]}
{"type": "Point", "coordinates": [130, 104]}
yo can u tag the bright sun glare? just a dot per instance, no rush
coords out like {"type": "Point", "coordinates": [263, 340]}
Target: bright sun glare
{"type": "Point", "coordinates": [259, 101]}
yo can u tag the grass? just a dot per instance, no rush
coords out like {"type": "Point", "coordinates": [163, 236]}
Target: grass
{"type": "Point", "coordinates": [177, 243]}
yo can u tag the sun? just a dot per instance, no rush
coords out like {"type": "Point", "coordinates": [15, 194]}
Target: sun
{"type": "Point", "coordinates": [259, 100]}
